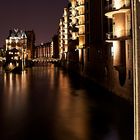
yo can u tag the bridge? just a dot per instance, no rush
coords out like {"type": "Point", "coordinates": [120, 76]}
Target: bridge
{"type": "Point", "coordinates": [37, 61]}
{"type": "Point", "coordinates": [45, 60]}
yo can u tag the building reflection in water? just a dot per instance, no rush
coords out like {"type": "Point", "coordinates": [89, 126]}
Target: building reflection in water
{"type": "Point", "coordinates": [15, 95]}
{"type": "Point", "coordinates": [70, 110]}
{"type": "Point", "coordinates": [60, 103]}
{"type": "Point", "coordinates": [47, 103]}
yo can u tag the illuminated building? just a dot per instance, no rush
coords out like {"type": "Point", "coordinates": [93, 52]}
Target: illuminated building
{"type": "Point", "coordinates": [44, 50]}
{"type": "Point", "coordinates": [78, 21]}
{"type": "Point", "coordinates": [80, 7]}
{"type": "Point", "coordinates": [107, 46]}
{"type": "Point", "coordinates": [61, 38]}
{"type": "Point", "coordinates": [101, 43]}
{"type": "Point", "coordinates": [77, 30]}
{"type": "Point", "coordinates": [63, 35]}
{"type": "Point", "coordinates": [119, 40]}
{"type": "Point", "coordinates": [49, 49]}
{"type": "Point", "coordinates": [16, 48]}
{"type": "Point", "coordinates": [72, 32]}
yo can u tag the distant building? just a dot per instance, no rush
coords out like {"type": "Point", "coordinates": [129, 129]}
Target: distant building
{"type": "Point", "coordinates": [44, 50]}
{"type": "Point", "coordinates": [16, 48]}
{"type": "Point", "coordinates": [63, 35]}
{"type": "Point", "coordinates": [30, 44]}
{"type": "Point", "coordinates": [2, 56]}
{"type": "Point", "coordinates": [49, 49]}
{"type": "Point", "coordinates": [73, 41]}
{"type": "Point", "coordinates": [61, 46]}
{"type": "Point", "coordinates": [55, 46]}
{"type": "Point", "coordinates": [2, 52]}
{"type": "Point", "coordinates": [77, 16]}
{"type": "Point", "coordinates": [72, 34]}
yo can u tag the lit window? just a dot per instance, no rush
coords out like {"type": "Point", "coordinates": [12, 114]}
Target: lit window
{"type": "Point", "coordinates": [112, 51]}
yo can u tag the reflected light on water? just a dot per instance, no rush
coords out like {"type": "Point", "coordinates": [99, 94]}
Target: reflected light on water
{"type": "Point", "coordinates": [15, 93]}
{"type": "Point", "coordinates": [46, 103]}
{"type": "Point", "coordinates": [71, 110]}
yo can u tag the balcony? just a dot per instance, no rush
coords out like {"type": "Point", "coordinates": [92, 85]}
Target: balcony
{"type": "Point", "coordinates": [80, 15]}
{"type": "Point", "coordinates": [82, 24]}
{"type": "Point", "coordinates": [124, 34]}
{"type": "Point", "coordinates": [65, 22]}
{"type": "Point", "coordinates": [82, 34]}
{"type": "Point", "coordinates": [111, 9]}
{"type": "Point", "coordinates": [80, 6]}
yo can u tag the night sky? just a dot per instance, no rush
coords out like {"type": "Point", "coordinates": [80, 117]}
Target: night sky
{"type": "Point", "coordinates": [42, 16]}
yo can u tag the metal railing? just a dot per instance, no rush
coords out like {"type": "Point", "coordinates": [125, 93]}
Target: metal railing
{"type": "Point", "coordinates": [123, 34]}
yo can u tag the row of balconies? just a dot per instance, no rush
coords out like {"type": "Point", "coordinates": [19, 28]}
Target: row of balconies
{"type": "Point", "coordinates": [73, 30]}
{"type": "Point", "coordinates": [78, 3]}
{"type": "Point", "coordinates": [119, 12]}
{"type": "Point", "coordinates": [77, 14]}
{"type": "Point", "coordinates": [76, 19]}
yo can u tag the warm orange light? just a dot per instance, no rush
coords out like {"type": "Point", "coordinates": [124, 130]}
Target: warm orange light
{"type": "Point", "coordinates": [118, 4]}
{"type": "Point", "coordinates": [116, 49]}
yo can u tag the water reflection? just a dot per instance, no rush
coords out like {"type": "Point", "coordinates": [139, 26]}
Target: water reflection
{"type": "Point", "coordinates": [48, 103]}
{"type": "Point", "coordinates": [71, 111]}
{"type": "Point", "coordinates": [15, 94]}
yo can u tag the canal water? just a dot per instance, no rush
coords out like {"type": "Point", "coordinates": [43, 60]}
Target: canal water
{"type": "Point", "coordinates": [47, 103]}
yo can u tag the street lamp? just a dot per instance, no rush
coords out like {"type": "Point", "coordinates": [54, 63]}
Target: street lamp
{"type": "Point", "coordinates": [136, 80]}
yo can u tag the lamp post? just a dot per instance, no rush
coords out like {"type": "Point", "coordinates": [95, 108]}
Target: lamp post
{"type": "Point", "coordinates": [136, 65]}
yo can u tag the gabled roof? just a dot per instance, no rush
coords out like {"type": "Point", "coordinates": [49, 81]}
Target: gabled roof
{"type": "Point", "coordinates": [17, 33]}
